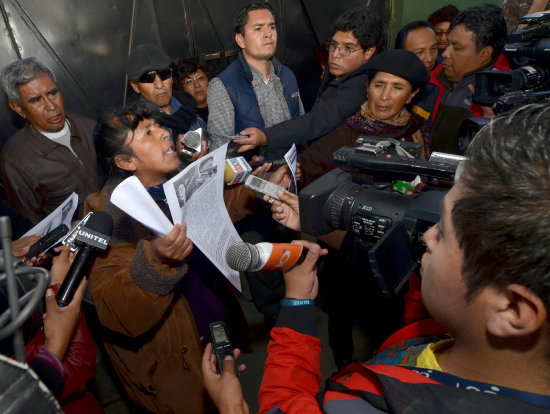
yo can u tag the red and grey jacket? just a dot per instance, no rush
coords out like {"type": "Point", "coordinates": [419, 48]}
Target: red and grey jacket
{"type": "Point", "coordinates": [428, 100]}
{"type": "Point", "coordinates": [292, 378]}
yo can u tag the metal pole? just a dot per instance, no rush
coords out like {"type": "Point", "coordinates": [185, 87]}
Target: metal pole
{"type": "Point", "coordinates": [13, 296]}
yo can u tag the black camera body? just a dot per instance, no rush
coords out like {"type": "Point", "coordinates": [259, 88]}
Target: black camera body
{"type": "Point", "coordinates": [528, 50]}
{"type": "Point", "coordinates": [388, 225]}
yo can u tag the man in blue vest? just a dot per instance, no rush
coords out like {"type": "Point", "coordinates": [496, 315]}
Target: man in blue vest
{"type": "Point", "coordinates": [256, 90]}
{"type": "Point", "coordinates": [355, 36]}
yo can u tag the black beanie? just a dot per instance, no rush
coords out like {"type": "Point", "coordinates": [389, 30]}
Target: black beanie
{"type": "Point", "coordinates": [402, 63]}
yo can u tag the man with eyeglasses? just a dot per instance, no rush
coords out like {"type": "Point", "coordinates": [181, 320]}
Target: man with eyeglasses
{"type": "Point", "coordinates": [355, 36]}
{"type": "Point", "coordinates": [150, 73]}
{"type": "Point", "coordinates": [191, 76]}
{"type": "Point", "coordinates": [53, 155]}
{"type": "Point", "coordinates": [256, 90]}
{"type": "Point", "coordinates": [441, 21]}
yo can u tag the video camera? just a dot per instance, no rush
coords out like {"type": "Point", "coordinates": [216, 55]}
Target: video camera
{"type": "Point", "coordinates": [359, 197]}
{"type": "Point", "coordinates": [528, 50]}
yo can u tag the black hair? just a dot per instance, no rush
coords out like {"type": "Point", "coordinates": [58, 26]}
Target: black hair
{"type": "Point", "coordinates": [186, 66]}
{"type": "Point", "coordinates": [487, 24]}
{"type": "Point", "coordinates": [402, 35]}
{"type": "Point", "coordinates": [111, 137]}
{"type": "Point", "coordinates": [444, 14]}
{"type": "Point", "coordinates": [364, 23]}
{"type": "Point", "coordinates": [502, 219]}
{"type": "Point", "coordinates": [241, 18]}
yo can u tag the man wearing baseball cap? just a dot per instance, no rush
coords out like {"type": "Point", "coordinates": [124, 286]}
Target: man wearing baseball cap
{"type": "Point", "coordinates": [150, 73]}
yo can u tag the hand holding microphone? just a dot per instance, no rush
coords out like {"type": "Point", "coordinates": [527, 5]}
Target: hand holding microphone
{"type": "Point", "coordinates": [246, 257]}
{"type": "Point", "coordinates": [192, 145]}
{"type": "Point", "coordinates": [91, 238]}
{"type": "Point", "coordinates": [301, 282]}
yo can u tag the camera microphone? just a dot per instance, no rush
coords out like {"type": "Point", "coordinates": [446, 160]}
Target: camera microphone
{"type": "Point", "coordinates": [94, 236]}
{"type": "Point", "coordinates": [246, 257]}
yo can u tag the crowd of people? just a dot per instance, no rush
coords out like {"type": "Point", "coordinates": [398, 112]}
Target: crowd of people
{"type": "Point", "coordinates": [479, 342]}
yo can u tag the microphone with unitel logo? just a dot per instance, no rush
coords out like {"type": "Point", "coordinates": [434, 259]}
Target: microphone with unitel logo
{"type": "Point", "coordinates": [91, 238]}
{"type": "Point", "coordinates": [246, 257]}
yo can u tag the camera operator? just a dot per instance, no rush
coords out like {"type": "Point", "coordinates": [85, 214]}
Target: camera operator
{"type": "Point", "coordinates": [476, 41]}
{"type": "Point", "coordinates": [486, 288]}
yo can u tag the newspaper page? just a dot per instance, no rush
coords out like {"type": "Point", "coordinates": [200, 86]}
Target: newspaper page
{"type": "Point", "coordinates": [195, 196]}
{"type": "Point", "coordinates": [290, 158]}
{"type": "Point", "coordinates": [61, 215]}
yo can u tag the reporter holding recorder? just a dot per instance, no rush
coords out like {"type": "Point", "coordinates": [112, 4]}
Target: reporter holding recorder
{"type": "Point", "coordinates": [485, 350]}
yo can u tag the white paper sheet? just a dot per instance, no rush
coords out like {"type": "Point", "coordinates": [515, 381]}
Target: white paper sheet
{"type": "Point", "coordinates": [132, 198]}
{"type": "Point", "coordinates": [290, 158]}
{"type": "Point", "coordinates": [194, 196]}
{"type": "Point", "coordinates": [62, 214]}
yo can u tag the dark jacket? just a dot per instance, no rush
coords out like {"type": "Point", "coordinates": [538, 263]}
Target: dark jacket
{"type": "Point", "coordinates": [237, 80]}
{"type": "Point", "coordinates": [445, 119]}
{"type": "Point", "coordinates": [39, 174]}
{"type": "Point", "coordinates": [179, 121]}
{"type": "Point", "coordinates": [337, 100]}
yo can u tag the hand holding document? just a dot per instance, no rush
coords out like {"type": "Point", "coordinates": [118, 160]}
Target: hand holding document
{"type": "Point", "coordinates": [61, 215]}
{"type": "Point", "coordinates": [194, 196]}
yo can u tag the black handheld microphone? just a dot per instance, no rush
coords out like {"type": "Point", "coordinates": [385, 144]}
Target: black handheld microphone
{"type": "Point", "coordinates": [95, 235]}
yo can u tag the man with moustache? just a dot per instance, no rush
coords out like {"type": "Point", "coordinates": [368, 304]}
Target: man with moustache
{"type": "Point", "coordinates": [476, 41]}
{"type": "Point", "coordinates": [256, 90]}
{"type": "Point", "coordinates": [354, 40]}
{"type": "Point", "coordinates": [149, 69]}
{"type": "Point", "coordinates": [54, 154]}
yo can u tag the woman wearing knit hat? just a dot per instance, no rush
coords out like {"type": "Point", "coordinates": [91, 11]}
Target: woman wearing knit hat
{"type": "Point", "coordinates": [394, 79]}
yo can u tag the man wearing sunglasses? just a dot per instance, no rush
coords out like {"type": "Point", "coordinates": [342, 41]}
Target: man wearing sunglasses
{"type": "Point", "coordinates": [355, 36]}
{"type": "Point", "coordinates": [150, 74]}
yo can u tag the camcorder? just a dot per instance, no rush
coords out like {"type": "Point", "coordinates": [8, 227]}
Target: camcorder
{"type": "Point", "coordinates": [528, 51]}
{"type": "Point", "coordinates": [387, 226]}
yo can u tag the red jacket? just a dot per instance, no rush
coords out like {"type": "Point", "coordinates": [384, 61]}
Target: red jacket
{"type": "Point", "coordinates": [292, 378]}
{"type": "Point", "coordinates": [500, 64]}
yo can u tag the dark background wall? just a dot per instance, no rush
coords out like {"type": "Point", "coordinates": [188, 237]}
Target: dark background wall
{"type": "Point", "coordinates": [86, 42]}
